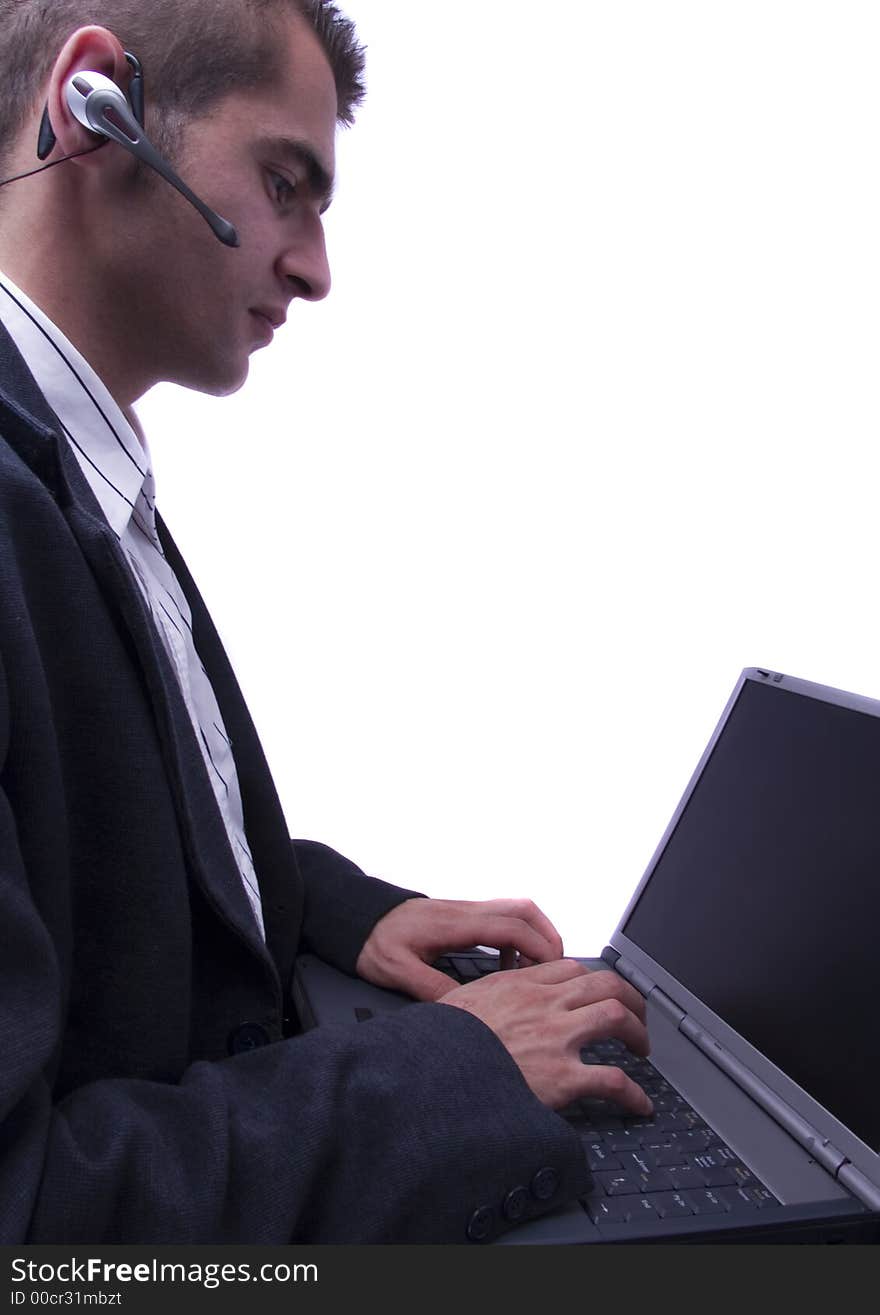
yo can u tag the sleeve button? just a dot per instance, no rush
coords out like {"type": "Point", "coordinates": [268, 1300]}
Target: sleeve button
{"type": "Point", "coordinates": [515, 1205]}
{"type": "Point", "coordinates": [545, 1184]}
{"type": "Point", "coordinates": [481, 1224]}
{"type": "Point", "coordinates": [250, 1036]}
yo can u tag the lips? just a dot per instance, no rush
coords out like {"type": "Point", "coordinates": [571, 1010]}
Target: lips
{"type": "Point", "coordinates": [263, 326]}
{"type": "Point", "coordinates": [275, 317]}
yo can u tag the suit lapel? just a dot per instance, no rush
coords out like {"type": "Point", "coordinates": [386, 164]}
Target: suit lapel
{"type": "Point", "coordinates": [205, 841]}
{"type": "Point", "coordinates": [268, 836]}
{"type": "Point", "coordinates": [34, 431]}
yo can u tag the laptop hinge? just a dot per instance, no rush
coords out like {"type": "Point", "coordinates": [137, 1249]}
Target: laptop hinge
{"type": "Point", "coordinates": [856, 1182]}
{"type": "Point", "coordinates": [627, 969]}
{"type": "Point", "coordinates": [647, 988]}
{"type": "Point", "coordinates": [819, 1147]}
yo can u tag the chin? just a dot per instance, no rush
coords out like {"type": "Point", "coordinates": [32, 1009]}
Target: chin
{"type": "Point", "coordinates": [222, 381]}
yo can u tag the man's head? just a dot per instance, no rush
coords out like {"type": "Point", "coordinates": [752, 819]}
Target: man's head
{"type": "Point", "coordinates": [245, 101]}
{"type": "Point", "coordinates": [195, 53]}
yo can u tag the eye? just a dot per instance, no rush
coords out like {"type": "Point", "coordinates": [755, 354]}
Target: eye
{"type": "Point", "coordinates": [283, 190]}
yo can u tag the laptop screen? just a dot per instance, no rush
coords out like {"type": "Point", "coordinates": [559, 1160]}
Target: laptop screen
{"type": "Point", "coordinates": [765, 901]}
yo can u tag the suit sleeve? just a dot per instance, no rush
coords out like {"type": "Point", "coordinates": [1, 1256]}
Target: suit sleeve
{"type": "Point", "coordinates": [395, 1130]}
{"type": "Point", "coordinates": [384, 1132]}
{"type": "Point", "coordinates": [401, 1129]}
{"type": "Point", "coordinates": [341, 903]}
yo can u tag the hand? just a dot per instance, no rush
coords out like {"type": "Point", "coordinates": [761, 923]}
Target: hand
{"type": "Point", "coordinates": [545, 1014]}
{"type": "Point", "coordinates": [403, 944]}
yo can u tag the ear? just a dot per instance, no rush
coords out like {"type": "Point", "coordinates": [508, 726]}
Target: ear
{"type": "Point", "coordinates": [93, 49]}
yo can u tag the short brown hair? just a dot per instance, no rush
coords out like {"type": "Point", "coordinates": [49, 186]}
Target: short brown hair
{"type": "Point", "coordinates": [193, 53]}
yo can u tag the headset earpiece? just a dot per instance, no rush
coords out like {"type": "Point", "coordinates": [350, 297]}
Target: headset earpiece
{"type": "Point", "coordinates": [46, 141]}
{"type": "Point", "coordinates": [100, 105]}
{"type": "Point", "coordinates": [136, 87]}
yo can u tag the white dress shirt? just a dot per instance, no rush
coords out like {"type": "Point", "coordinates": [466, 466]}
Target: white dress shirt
{"type": "Point", "coordinates": [118, 468]}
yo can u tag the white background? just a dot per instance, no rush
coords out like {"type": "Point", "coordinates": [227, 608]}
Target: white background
{"type": "Point", "coordinates": [588, 423]}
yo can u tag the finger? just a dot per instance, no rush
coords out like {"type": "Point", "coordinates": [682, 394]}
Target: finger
{"type": "Point", "coordinates": [498, 923]}
{"type": "Point", "coordinates": [554, 972]}
{"type": "Point", "coordinates": [597, 986]}
{"type": "Point", "coordinates": [605, 1083]}
{"type": "Point", "coordinates": [501, 930]}
{"type": "Point", "coordinates": [610, 1018]}
{"type": "Point", "coordinates": [528, 912]}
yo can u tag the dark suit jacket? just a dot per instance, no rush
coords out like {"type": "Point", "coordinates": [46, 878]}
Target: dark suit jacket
{"type": "Point", "coordinates": [151, 1087]}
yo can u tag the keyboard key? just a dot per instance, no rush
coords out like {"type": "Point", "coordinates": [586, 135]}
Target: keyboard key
{"type": "Point", "coordinates": [643, 1208]}
{"type": "Point", "coordinates": [659, 1180]}
{"type": "Point", "coordinates": [589, 1136]}
{"type": "Point", "coordinates": [693, 1139]}
{"type": "Point", "coordinates": [622, 1139]}
{"type": "Point", "coordinates": [716, 1174]}
{"type": "Point", "coordinates": [671, 1205]}
{"type": "Point", "coordinates": [600, 1110]}
{"type": "Point", "coordinates": [611, 1046]}
{"type": "Point", "coordinates": [748, 1198]}
{"type": "Point", "coordinates": [706, 1202]}
{"type": "Point", "coordinates": [738, 1200]}
{"type": "Point", "coordinates": [723, 1176]}
{"type": "Point", "coordinates": [659, 1087]}
{"type": "Point", "coordinates": [636, 1068]}
{"type": "Point", "coordinates": [671, 1122]}
{"type": "Point", "coordinates": [466, 969]}
{"type": "Point", "coordinates": [665, 1156]}
{"type": "Point", "coordinates": [723, 1156]}
{"type": "Point", "coordinates": [686, 1176]}
{"type": "Point", "coordinates": [607, 1123]}
{"type": "Point", "coordinates": [711, 1158]}
{"type": "Point", "coordinates": [640, 1161]}
{"type": "Point", "coordinates": [724, 1153]}
{"type": "Point", "coordinates": [600, 1157]}
{"type": "Point", "coordinates": [620, 1184]}
{"type": "Point", "coordinates": [761, 1195]}
{"type": "Point", "coordinates": [609, 1210]}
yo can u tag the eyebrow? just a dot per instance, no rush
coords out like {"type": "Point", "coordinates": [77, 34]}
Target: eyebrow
{"type": "Point", "coordinates": [321, 181]}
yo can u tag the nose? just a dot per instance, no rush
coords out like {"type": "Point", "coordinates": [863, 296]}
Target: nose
{"type": "Point", "coordinates": [304, 265]}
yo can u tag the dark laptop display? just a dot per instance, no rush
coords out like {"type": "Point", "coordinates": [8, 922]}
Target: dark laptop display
{"type": "Point", "coordinates": [775, 925]}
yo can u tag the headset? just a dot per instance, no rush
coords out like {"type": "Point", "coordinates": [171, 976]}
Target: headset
{"type": "Point", "coordinates": [102, 107]}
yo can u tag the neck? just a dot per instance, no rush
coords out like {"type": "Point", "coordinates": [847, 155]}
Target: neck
{"type": "Point", "coordinates": [60, 279]}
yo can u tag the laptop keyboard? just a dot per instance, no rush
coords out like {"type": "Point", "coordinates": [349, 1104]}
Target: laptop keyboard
{"type": "Point", "coordinates": [672, 1165]}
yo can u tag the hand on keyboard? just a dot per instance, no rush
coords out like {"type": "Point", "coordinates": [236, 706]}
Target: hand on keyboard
{"type": "Point", "coordinates": [547, 1013]}
{"type": "Point", "coordinates": [402, 947]}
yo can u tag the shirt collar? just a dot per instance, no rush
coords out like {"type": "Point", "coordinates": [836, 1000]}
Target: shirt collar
{"type": "Point", "coordinates": [116, 465]}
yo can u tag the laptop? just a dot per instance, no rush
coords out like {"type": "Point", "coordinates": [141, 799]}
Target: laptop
{"type": "Point", "coordinates": [754, 937]}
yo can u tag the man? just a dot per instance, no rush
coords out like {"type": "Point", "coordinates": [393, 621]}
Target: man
{"type": "Point", "coordinates": [154, 1088]}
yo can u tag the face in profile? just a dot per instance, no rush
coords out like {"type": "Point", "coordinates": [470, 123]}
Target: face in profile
{"type": "Point", "coordinates": [264, 159]}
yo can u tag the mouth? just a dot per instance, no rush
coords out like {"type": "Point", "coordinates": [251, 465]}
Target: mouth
{"type": "Point", "coordinates": [265, 326]}
{"type": "Point", "coordinates": [276, 318]}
